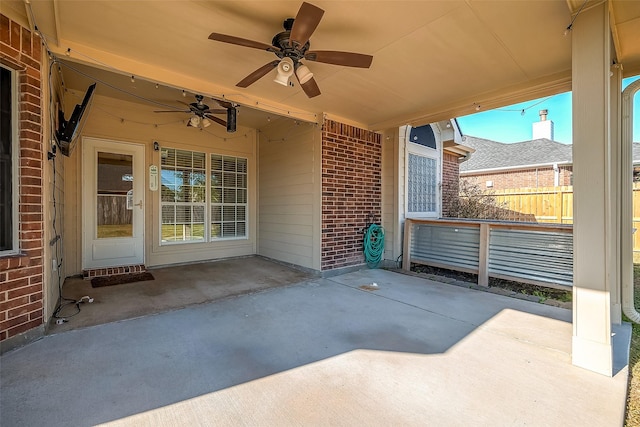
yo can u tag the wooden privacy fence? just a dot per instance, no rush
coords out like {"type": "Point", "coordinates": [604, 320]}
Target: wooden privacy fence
{"type": "Point", "coordinates": [112, 210]}
{"type": "Point", "coordinates": [539, 254]}
{"type": "Point", "coordinates": [554, 205]}
{"type": "Point", "coordinates": [545, 204]}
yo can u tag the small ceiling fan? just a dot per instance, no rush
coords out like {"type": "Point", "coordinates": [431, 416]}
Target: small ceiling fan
{"type": "Point", "coordinates": [291, 46]}
{"type": "Point", "coordinates": [203, 115]}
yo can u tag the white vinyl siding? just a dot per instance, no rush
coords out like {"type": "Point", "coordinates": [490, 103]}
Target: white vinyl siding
{"type": "Point", "coordinates": [290, 198]}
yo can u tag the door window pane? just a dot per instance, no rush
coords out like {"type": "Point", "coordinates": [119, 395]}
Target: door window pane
{"type": "Point", "coordinates": [115, 198]}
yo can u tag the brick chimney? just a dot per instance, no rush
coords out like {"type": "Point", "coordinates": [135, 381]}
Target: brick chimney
{"type": "Point", "coordinates": [543, 128]}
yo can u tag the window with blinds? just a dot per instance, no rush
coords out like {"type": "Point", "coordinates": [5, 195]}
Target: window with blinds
{"type": "Point", "coordinates": [228, 197]}
{"type": "Point", "coordinates": [193, 211]}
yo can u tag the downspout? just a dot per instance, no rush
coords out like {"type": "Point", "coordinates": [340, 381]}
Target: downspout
{"type": "Point", "coordinates": [626, 239]}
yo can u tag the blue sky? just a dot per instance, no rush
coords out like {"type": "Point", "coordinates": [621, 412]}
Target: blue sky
{"type": "Point", "coordinates": [508, 124]}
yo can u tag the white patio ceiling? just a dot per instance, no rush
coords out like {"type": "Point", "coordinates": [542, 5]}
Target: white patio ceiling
{"type": "Point", "coordinates": [433, 60]}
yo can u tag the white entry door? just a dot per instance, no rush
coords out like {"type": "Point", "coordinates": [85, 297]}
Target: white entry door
{"type": "Point", "coordinates": [113, 203]}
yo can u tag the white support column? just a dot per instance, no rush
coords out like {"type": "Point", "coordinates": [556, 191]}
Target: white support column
{"type": "Point", "coordinates": [617, 192]}
{"type": "Point", "coordinates": [595, 214]}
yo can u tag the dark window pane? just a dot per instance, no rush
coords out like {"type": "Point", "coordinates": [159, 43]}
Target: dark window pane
{"type": "Point", "coordinates": [6, 174]}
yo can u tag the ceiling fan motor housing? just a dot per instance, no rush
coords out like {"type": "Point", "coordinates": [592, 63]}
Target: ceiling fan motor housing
{"type": "Point", "coordinates": [293, 51]}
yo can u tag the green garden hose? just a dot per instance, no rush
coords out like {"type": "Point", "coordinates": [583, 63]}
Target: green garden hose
{"type": "Point", "coordinates": [373, 245]}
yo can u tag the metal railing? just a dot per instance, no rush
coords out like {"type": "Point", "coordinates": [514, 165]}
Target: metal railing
{"type": "Point", "coordinates": [538, 254]}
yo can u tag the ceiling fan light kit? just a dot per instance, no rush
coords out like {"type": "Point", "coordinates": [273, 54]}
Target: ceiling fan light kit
{"type": "Point", "coordinates": [304, 74]}
{"type": "Point", "coordinates": [291, 46]}
{"type": "Point", "coordinates": [285, 71]}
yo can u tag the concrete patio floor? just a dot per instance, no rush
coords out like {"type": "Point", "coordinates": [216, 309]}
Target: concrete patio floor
{"type": "Point", "coordinates": [321, 352]}
{"type": "Point", "coordinates": [173, 288]}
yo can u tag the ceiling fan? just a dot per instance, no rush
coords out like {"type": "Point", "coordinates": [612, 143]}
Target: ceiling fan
{"type": "Point", "coordinates": [203, 115]}
{"type": "Point", "coordinates": [291, 46]}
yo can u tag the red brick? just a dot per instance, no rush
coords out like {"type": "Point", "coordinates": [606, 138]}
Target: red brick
{"type": "Point", "coordinates": [13, 303]}
{"type": "Point", "coordinates": [36, 314]}
{"type": "Point", "coordinates": [24, 291]}
{"type": "Point", "coordinates": [4, 30]}
{"type": "Point", "coordinates": [31, 190]}
{"type": "Point", "coordinates": [14, 36]}
{"type": "Point", "coordinates": [23, 327]}
{"type": "Point", "coordinates": [351, 185]}
{"type": "Point", "coordinates": [36, 49]}
{"type": "Point", "coordinates": [24, 272]}
{"type": "Point", "coordinates": [26, 41]}
{"type": "Point", "coordinates": [13, 322]}
{"type": "Point", "coordinates": [14, 284]}
{"type": "Point", "coordinates": [24, 309]}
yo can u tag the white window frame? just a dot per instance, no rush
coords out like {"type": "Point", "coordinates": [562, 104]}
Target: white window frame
{"type": "Point", "coordinates": [185, 204]}
{"type": "Point", "coordinates": [208, 204]}
{"type": "Point", "coordinates": [15, 165]}
{"type": "Point", "coordinates": [223, 205]}
{"type": "Point", "coordinates": [412, 148]}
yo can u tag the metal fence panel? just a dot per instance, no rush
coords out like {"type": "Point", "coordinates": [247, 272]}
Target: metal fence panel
{"type": "Point", "coordinates": [455, 246]}
{"type": "Point", "coordinates": [533, 255]}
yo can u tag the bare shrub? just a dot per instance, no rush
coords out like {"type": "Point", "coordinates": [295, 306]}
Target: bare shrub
{"type": "Point", "coordinates": [473, 202]}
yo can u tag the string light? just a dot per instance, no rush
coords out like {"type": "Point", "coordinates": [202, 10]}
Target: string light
{"type": "Point", "coordinates": [570, 26]}
{"type": "Point", "coordinates": [150, 101]}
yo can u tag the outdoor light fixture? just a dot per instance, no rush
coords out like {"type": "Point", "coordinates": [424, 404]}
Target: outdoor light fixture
{"type": "Point", "coordinates": [232, 115]}
{"type": "Point", "coordinates": [285, 70]}
{"type": "Point", "coordinates": [304, 74]}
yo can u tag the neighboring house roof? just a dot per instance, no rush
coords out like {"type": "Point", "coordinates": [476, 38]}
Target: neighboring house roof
{"type": "Point", "coordinates": [491, 155]}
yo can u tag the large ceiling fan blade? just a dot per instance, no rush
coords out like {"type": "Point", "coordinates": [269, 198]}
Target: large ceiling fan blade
{"type": "Point", "coordinates": [241, 42]}
{"type": "Point", "coordinates": [173, 111]}
{"type": "Point", "coordinates": [348, 59]}
{"type": "Point", "coordinates": [305, 24]}
{"type": "Point", "coordinates": [217, 120]}
{"type": "Point", "coordinates": [257, 74]}
{"type": "Point", "coordinates": [311, 88]}
{"type": "Point", "coordinates": [216, 111]}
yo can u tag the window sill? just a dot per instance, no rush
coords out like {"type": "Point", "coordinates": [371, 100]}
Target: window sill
{"type": "Point", "coordinates": [13, 261]}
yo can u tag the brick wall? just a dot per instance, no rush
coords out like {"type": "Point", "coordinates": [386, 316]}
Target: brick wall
{"type": "Point", "coordinates": [351, 191]}
{"type": "Point", "coordinates": [527, 178]}
{"type": "Point", "coordinates": [450, 181]}
{"type": "Point", "coordinates": [21, 276]}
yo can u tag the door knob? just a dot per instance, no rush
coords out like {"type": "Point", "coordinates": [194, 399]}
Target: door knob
{"type": "Point", "coordinates": [139, 204]}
